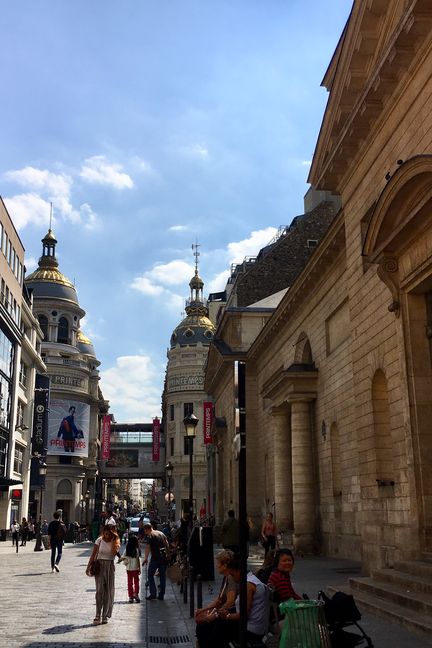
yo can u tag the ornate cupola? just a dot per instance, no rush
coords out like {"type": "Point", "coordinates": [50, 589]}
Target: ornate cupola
{"type": "Point", "coordinates": [47, 281]}
{"type": "Point", "coordinates": [196, 326]}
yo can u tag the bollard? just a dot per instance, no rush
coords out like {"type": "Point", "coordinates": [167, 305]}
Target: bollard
{"type": "Point", "coordinates": [185, 589]}
{"type": "Point", "coordinates": [199, 592]}
{"type": "Point", "coordinates": [191, 592]}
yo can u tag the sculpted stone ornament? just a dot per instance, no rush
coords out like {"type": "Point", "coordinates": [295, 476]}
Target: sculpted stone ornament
{"type": "Point", "coordinates": [388, 272]}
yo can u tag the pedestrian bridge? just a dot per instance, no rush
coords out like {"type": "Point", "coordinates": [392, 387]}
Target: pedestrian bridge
{"type": "Point", "coordinates": [131, 450]}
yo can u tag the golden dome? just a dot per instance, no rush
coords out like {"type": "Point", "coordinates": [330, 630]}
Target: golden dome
{"type": "Point", "coordinates": [83, 338]}
{"type": "Point", "coordinates": [50, 274]}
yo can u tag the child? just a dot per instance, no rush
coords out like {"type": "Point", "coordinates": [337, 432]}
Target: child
{"type": "Point", "coordinates": [131, 559]}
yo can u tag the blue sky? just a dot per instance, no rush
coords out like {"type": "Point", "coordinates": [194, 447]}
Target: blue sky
{"type": "Point", "coordinates": [150, 125]}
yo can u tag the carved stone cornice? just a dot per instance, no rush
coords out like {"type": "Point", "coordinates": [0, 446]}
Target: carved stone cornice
{"type": "Point", "coordinates": [360, 98]}
{"type": "Point", "coordinates": [294, 383]}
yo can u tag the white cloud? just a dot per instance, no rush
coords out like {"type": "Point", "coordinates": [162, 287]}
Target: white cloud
{"type": "Point", "coordinates": [30, 264]}
{"type": "Point", "coordinates": [145, 286]}
{"type": "Point", "coordinates": [28, 208]}
{"type": "Point", "coordinates": [218, 283]}
{"type": "Point", "coordinates": [90, 219]}
{"type": "Point", "coordinates": [97, 170]}
{"type": "Point", "coordinates": [132, 388]}
{"type": "Point", "coordinates": [172, 273]}
{"type": "Point", "coordinates": [197, 151]}
{"type": "Point", "coordinates": [178, 228]}
{"type": "Point", "coordinates": [306, 163]}
{"type": "Point", "coordinates": [44, 188]}
{"type": "Point", "coordinates": [238, 250]}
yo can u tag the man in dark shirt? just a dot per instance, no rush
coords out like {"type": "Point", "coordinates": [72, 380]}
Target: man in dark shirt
{"type": "Point", "coordinates": [56, 534]}
{"type": "Point", "coordinates": [157, 545]}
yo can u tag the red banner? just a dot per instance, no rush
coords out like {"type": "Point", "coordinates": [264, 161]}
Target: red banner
{"type": "Point", "coordinates": [208, 421]}
{"type": "Point", "coordinates": [106, 436]}
{"type": "Point", "coordinates": [156, 440]}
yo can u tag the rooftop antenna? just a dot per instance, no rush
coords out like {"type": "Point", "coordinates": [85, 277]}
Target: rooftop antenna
{"type": "Point", "coordinates": [51, 213]}
{"type": "Point", "coordinates": [196, 254]}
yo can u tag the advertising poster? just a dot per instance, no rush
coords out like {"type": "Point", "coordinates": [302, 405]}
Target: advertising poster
{"type": "Point", "coordinates": [68, 428]}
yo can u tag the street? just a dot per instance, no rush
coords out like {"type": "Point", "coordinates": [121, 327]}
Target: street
{"type": "Point", "coordinates": [42, 609]}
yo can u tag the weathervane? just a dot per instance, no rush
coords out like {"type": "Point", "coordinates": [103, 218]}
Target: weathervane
{"type": "Point", "coordinates": [196, 254]}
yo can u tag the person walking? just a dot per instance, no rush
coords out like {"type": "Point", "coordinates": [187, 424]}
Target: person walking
{"type": "Point", "coordinates": [131, 558]}
{"type": "Point", "coordinates": [157, 544]}
{"type": "Point", "coordinates": [24, 532]}
{"type": "Point", "coordinates": [268, 533]}
{"type": "Point", "coordinates": [56, 535]}
{"type": "Point", "coordinates": [104, 552]}
{"type": "Point", "coordinates": [230, 535]}
{"type": "Point", "coordinates": [15, 530]}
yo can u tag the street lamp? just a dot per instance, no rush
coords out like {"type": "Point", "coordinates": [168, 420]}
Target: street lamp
{"type": "Point", "coordinates": [190, 422]}
{"type": "Point", "coordinates": [169, 468]}
{"type": "Point", "coordinates": [42, 473]}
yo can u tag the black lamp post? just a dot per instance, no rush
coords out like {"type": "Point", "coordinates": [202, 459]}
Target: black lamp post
{"type": "Point", "coordinates": [169, 471]}
{"type": "Point", "coordinates": [190, 422]}
{"type": "Point", "coordinates": [42, 473]}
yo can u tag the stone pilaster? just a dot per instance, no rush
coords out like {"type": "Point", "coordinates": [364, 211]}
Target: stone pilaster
{"type": "Point", "coordinates": [302, 476]}
{"type": "Point", "coordinates": [282, 468]}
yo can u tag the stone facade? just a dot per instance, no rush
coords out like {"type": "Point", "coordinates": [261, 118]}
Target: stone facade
{"type": "Point", "coordinates": [339, 379]}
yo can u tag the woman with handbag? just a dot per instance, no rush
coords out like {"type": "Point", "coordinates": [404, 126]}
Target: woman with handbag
{"type": "Point", "coordinates": [101, 566]}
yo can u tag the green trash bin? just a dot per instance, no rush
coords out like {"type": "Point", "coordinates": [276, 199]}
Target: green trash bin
{"type": "Point", "coordinates": [304, 625]}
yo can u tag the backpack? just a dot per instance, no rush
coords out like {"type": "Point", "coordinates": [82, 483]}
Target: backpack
{"type": "Point", "coordinates": [61, 532]}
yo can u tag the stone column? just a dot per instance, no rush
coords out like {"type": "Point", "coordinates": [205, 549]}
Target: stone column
{"type": "Point", "coordinates": [302, 476]}
{"type": "Point", "coordinates": [282, 470]}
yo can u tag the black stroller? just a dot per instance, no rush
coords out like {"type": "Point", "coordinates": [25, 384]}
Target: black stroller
{"type": "Point", "coordinates": [341, 611]}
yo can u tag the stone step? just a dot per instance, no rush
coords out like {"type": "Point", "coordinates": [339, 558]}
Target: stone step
{"type": "Point", "coordinates": [417, 601]}
{"type": "Point", "coordinates": [409, 582]}
{"type": "Point", "coordinates": [415, 567]}
{"type": "Point", "coordinates": [421, 624]}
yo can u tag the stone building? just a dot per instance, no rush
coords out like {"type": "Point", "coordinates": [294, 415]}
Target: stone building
{"type": "Point", "coordinates": [339, 375]}
{"type": "Point", "coordinates": [20, 359]}
{"type": "Point", "coordinates": [75, 399]}
{"type": "Point", "coordinates": [184, 394]}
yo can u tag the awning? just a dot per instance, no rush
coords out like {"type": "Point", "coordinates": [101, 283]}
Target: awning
{"type": "Point", "coordinates": [5, 482]}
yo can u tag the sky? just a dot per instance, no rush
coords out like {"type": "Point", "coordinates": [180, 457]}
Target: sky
{"type": "Point", "coordinates": [151, 125]}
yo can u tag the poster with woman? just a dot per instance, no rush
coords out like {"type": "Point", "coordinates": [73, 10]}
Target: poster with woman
{"type": "Point", "coordinates": [68, 428]}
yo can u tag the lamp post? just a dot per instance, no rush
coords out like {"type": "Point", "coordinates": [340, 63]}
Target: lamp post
{"type": "Point", "coordinates": [87, 502]}
{"type": "Point", "coordinates": [169, 471]}
{"type": "Point", "coordinates": [42, 473]}
{"type": "Point", "coordinates": [190, 422]}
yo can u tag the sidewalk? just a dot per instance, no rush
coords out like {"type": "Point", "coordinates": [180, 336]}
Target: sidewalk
{"type": "Point", "coordinates": [45, 610]}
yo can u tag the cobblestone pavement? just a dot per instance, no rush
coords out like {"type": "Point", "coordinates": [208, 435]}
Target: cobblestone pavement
{"type": "Point", "coordinates": [45, 610]}
{"type": "Point", "coordinates": [41, 609]}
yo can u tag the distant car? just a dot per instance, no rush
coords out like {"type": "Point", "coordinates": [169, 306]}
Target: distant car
{"type": "Point", "coordinates": [134, 524]}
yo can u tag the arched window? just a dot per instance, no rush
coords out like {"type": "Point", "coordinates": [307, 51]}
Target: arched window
{"type": "Point", "coordinates": [64, 487]}
{"type": "Point", "coordinates": [43, 321]}
{"type": "Point", "coordinates": [63, 331]}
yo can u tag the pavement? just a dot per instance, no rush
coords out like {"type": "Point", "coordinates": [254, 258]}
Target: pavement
{"type": "Point", "coordinates": [45, 610]}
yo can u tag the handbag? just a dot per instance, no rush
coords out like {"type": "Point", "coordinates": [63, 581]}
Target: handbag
{"type": "Point", "coordinates": [174, 573]}
{"type": "Point", "coordinates": [94, 567]}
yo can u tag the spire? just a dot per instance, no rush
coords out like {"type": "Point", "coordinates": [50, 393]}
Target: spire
{"type": "Point", "coordinates": [196, 283]}
{"type": "Point", "coordinates": [48, 258]}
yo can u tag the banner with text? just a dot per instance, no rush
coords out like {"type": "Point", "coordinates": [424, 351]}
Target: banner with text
{"type": "Point", "coordinates": [156, 440]}
{"type": "Point", "coordinates": [106, 436]}
{"type": "Point", "coordinates": [208, 422]}
{"type": "Point", "coordinates": [40, 415]}
{"type": "Point", "coordinates": [68, 428]}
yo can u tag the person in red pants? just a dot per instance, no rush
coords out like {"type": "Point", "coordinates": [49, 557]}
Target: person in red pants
{"type": "Point", "coordinates": [131, 558]}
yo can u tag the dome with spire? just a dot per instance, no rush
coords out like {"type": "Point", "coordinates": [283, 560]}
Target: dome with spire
{"type": "Point", "coordinates": [47, 281]}
{"type": "Point", "coordinates": [196, 327]}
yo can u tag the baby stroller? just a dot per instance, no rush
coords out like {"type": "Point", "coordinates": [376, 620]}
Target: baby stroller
{"type": "Point", "coordinates": [341, 611]}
